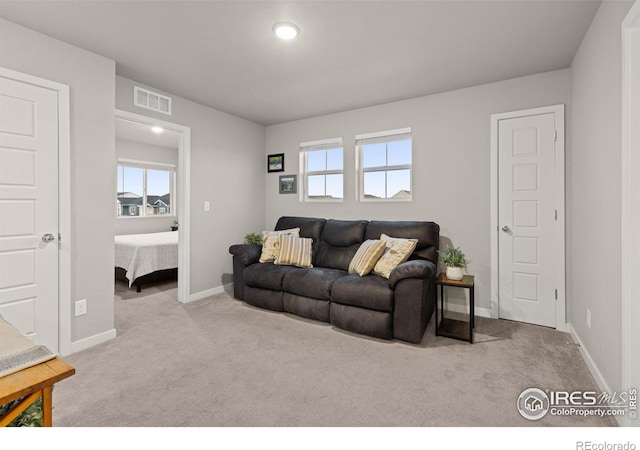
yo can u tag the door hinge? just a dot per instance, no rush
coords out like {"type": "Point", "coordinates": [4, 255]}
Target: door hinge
{"type": "Point", "coordinates": [59, 237]}
{"type": "Point", "coordinates": [556, 294]}
{"type": "Point", "coordinates": [555, 135]}
{"type": "Point", "coordinates": [556, 215]}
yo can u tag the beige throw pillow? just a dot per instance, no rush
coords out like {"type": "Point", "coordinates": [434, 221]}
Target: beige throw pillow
{"type": "Point", "coordinates": [271, 245]}
{"type": "Point", "coordinates": [366, 257]}
{"type": "Point", "coordinates": [396, 252]}
{"type": "Point", "coordinates": [294, 251]}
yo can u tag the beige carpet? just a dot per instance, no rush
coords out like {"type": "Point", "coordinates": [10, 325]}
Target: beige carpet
{"type": "Point", "coordinates": [219, 362]}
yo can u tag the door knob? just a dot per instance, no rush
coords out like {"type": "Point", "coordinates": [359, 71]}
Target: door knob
{"type": "Point", "coordinates": [506, 228]}
{"type": "Point", "coordinates": [48, 237]}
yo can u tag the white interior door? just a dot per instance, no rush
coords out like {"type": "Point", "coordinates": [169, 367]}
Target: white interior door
{"type": "Point", "coordinates": [527, 218]}
{"type": "Point", "coordinates": [29, 209]}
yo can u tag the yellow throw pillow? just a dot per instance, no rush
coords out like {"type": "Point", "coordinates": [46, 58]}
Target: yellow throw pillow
{"type": "Point", "coordinates": [294, 251]}
{"type": "Point", "coordinates": [271, 245]}
{"type": "Point", "coordinates": [396, 252]}
{"type": "Point", "coordinates": [366, 257]}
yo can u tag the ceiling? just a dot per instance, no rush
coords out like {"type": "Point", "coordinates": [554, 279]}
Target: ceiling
{"type": "Point", "coordinates": [128, 130]}
{"type": "Point", "coordinates": [349, 54]}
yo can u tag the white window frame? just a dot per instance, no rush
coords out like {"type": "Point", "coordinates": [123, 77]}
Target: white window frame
{"type": "Point", "coordinates": [146, 165]}
{"type": "Point", "coordinates": [391, 135]}
{"type": "Point", "coordinates": [305, 148]}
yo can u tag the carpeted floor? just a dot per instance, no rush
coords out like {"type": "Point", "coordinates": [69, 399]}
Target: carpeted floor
{"type": "Point", "coordinates": [219, 362]}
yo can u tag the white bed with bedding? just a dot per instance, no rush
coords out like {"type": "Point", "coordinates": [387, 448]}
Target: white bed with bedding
{"type": "Point", "coordinates": [142, 254]}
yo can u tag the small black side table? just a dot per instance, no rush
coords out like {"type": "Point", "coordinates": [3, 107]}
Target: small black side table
{"type": "Point", "coordinates": [452, 328]}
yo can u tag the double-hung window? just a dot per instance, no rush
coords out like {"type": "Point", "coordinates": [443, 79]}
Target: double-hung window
{"type": "Point", "coordinates": [384, 165]}
{"type": "Point", "coordinates": [321, 169]}
{"type": "Point", "coordinates": [145, 189]}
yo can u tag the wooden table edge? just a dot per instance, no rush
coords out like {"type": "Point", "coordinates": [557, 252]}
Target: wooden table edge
{"type": "Point", "coordinates": [55, 370]}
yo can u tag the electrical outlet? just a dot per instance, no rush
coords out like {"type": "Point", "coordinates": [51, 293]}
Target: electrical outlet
{"type": "Point", "coordinates": [588, 318]}
{"type": "Point", "coordinates": [207, 206]}
{"type": "Point", "coordinates": [81, 307]}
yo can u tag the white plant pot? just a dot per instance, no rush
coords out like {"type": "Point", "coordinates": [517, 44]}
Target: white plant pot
{"type": "Point", "coordinates": [454, 273]}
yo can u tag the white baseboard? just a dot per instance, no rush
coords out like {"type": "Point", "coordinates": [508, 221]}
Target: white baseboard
{"type": "Point", "coordinates": [593, 368]}
{"type": "Point", "coordinates": [92, 341]}
{"type": "Point", "coordinates": [210, 292]}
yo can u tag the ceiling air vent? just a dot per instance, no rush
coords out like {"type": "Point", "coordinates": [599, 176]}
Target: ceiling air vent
{"type": "Point", "coordinates": [151, 100]}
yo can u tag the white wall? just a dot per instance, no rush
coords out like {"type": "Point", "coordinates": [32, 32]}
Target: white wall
{"type": "Point", "coordinates": [451, 152]}
{"type": "Point", "coordinates": [91, 79]}
{"type": "Point", "coordinates": [227, 169]}
{"type": "Point", "coordinates": [152, 153]}
{"type": "Point", "coordinates": [594, 192]}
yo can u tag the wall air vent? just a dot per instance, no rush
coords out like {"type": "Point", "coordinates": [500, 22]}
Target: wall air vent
{"type": "Point", "coordinates": [145, 98]}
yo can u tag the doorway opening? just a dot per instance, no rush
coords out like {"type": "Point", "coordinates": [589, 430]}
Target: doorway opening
{"type": "Point", "coordinates": [152, 198]}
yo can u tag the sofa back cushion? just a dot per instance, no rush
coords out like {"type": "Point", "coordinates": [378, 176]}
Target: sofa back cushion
{"type": "Point", "coordinates": [310, 227]}
{"type": "Point", "coordinates": [335, 242]}
{"type": "Point", "coordinates": [427, 233]}
{"type": "Point", "coordinates": [339, 242]}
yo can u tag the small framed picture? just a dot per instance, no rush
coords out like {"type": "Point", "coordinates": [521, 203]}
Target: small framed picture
{"type": "Point", "coordinates": [275, 163]}
{"type": "Point", "coordinates": [288, 184]}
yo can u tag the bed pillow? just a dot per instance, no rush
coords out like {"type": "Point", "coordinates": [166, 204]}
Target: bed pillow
{"type": "Point", "coordinates": [271, 245]}
{"type": "Point", "coordinates": [294, 251]}
{"type": "Point", "coordinates": [366, 257]}
{"type": "Point", "coordinates": [397, 251]}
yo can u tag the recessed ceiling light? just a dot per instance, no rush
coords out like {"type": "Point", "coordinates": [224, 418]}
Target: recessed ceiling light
{"type": "Point", "coordinates": [157, 129]}
{"type": "Point", "coordinates": [286, 31]}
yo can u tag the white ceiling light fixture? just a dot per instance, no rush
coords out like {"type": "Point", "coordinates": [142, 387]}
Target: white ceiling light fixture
{"type": "Point", "coordinates": [286, 30]}
{"type": "Point", "coordinates": [157, 130]}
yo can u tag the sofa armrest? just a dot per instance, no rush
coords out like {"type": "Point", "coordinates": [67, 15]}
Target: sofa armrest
{"type": "Point", "coordinates": [247, 253]}
{"type": "Point", "coordinates": [417, 268]}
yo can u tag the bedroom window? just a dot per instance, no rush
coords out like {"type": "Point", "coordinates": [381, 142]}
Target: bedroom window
{"type": "Point", "coordinates": [384, 165]}
{"type": "Point", "coordinates": [321, 169]}
{"type": "Point", "coordinates": [145, 189]}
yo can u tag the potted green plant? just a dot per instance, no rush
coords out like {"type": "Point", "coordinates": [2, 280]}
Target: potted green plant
{"type": "Point", "coordinates": [30, 417]}
{"type": "Point", "coordinates": [253, 238]}
{"type": "Point", "coordinates": [454, 261]}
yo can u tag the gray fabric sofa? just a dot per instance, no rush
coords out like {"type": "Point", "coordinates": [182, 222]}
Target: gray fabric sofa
{"type": "Point", "coordinates": [396, 308]}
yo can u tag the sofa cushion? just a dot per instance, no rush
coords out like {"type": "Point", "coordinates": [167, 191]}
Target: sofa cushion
{"type": "Point", "coordinates": [266, 275]}
{"type": "Point", "coordinates": [339, 242]}
{"type": "Point", "coordinates": [396, 252]}
{"type": "Point", "coordinates": [271, 243]}
{"type": "Point", "coordinates": [366, 257]}
{"type": "Point", "coordinates": [316, 282]}
{"type": "Point", "coordinates": [294, 251]}
{"type": "Point", "coordinates": [370, 292]}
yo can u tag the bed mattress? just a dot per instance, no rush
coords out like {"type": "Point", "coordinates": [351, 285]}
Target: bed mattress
{"type": "Point", "coordinates": [142, 254]}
